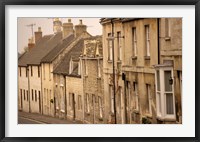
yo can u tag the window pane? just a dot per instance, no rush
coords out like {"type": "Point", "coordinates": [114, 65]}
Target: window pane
{"type": "Point", "coordinates": [158, 80]}
{"type": "Point", "coordinates": [169, 103]}
{"type": "Point", "coordinates": [159, 103]}
{"type": "Point", "coordinates": [168, 86]}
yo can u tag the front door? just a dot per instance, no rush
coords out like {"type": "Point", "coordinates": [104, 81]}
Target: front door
{"type": "Point", "coordinates": [21, 102]}
{"type": "Point", "coordinates": [73, 105]}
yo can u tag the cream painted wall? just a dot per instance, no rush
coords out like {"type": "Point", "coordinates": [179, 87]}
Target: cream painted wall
{"type": "Point", "coordinates": [23, 85]}
{"type": "Point", "coordinates": [35, 85]}
{"type": "Point", "coordinates": [47, 83]}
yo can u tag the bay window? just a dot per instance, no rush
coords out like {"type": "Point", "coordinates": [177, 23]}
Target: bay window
{"type": "Point", "coordinates": [165, 102]}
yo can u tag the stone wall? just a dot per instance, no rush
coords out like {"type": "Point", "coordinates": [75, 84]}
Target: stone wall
{"type": "Point", "coordinates": [74, 89]}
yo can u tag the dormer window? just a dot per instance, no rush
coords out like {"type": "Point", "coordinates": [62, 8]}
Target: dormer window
{"type": "Point", "coordinates": [75, 66]}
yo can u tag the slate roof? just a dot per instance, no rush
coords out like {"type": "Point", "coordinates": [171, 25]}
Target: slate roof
{"type": "Point", "coordinates": [41, 49]}
{"type": "Point", "coordinates": [74, 53]}
{"type": "Point", "coordinates": [59, 48]}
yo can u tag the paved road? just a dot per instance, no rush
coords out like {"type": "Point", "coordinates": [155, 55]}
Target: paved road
{"type": "Point", "coordinates": [24, 120]}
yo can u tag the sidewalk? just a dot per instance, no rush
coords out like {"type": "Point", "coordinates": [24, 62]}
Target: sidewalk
{"type": "Point", "coordinates": [46, 119]}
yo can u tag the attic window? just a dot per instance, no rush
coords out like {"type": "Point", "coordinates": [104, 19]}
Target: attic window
{"type": "Point", "coordinates": [75, 67]}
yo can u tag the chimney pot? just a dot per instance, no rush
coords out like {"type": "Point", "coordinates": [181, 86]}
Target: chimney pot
{"type": "Point", "coordinates": [81, 22]}
{"type": "Point", "coordinates": [39, 29]}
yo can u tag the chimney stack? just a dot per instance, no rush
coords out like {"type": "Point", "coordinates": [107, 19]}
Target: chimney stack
{"type": "Point", "coordinates": [80, 28]}
{"type": "Point", "coordinates": [67, 28]}
{"type": "Point", "coordinates": [38, 35]}
{"type": "Point", "coordinates": [31, 44]}
{"type": "Point", "coordinates": [57, 25]}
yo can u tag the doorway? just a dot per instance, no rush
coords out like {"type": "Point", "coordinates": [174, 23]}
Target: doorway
{"type": "Point", "coordinates": [73, 106]}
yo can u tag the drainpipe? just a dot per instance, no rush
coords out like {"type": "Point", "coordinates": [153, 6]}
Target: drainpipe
{"type": "Point", "coordinates": [65, 96]}
{"type": "Point", "coordinates": [125, 98]}
{"type": "Point", "coordinates": [158, 35]}
{"type": "Point", "coordinates": [29, 101]}
{"type": "Point", "coordinates": [113, 72]}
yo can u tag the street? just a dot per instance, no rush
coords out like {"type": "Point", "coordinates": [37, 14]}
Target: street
{"type": "Point", "coordinates": [24, 120]}
{"type": "Point", "coordinates": [35, 118]}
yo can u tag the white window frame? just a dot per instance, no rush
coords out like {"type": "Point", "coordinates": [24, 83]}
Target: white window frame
{"type": "Point", "coordinates": [134, 40]}
{"type": "Point", "coordinates": [161, 100]}
{"type": "Point", "coordinates": [147, 40]}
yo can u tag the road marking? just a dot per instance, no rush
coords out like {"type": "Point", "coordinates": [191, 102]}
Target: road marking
{"type": "Point", "coordinates": [32, 120]}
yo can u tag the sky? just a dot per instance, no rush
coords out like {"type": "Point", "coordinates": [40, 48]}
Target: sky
{"type": "Point", "coordinates": [46, 24]}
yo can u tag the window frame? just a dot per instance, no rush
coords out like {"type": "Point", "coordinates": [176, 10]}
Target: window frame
{"type": "Point", "coordinates": [149, 99]}
{"type": "Point", "coordinates": [119, 46]}
{"type": "Point", "coordinates": [161, 100]}
{"type": "Point", "coordinates": [110, 57]}
{"type": "Point", "coordinates": [100, 107]}
{"type": "Point", "coordinates": [147, 40]}
{"type": "Point", "coordinates": [134, 42]}
{"type": "Point", "coordinates": [136, 95]}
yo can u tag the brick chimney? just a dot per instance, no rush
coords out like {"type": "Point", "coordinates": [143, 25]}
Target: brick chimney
{"type": "Point", "coordinates": [31, 44]}
{"type": "Point", "coordinates": [38, 35]}
{"type": "Point", "coordinates": [80, 28]}
{"type": "Point", "coordinates": [67, 28]}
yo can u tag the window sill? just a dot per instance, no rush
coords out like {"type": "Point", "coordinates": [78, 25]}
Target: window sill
{"type": "Point", "coordinates": [98, 78]}
{"type": "Point", "coordinates": [109, 61]}
{"type": "Point", "coordinates": [87, 113]}
{"type": "Point", "coordinates": [100, 118]}
{"type": "Point", "coordinates": [134, 57]}
{"type": "Point", "coordinates": [147, 57]}
{"type": "Point", "coordinates": [167, 38]}
{"type": "Point", "coordinates": [119, 61]}
{"type": "Point", "coordinates": [136, 111]}
{"type": "Point", "coordinates": [148, 115]}
{"type": "Point", "coordinates": [165, 119]}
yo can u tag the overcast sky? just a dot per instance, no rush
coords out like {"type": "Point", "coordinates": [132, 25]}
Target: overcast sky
{"type": "Point", "coordinates": [24, 32]}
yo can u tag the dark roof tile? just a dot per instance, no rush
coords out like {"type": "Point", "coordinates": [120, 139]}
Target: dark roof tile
{"type": "Point", "coordinates": [41, 49]}
{"type": "Point", "coordinates": [59, 48]}
{"type": "Point", "coordinates": [74, 53]}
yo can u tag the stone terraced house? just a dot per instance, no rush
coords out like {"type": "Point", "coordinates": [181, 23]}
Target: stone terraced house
{"type": "Point", "coordinates": [145, 84]}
